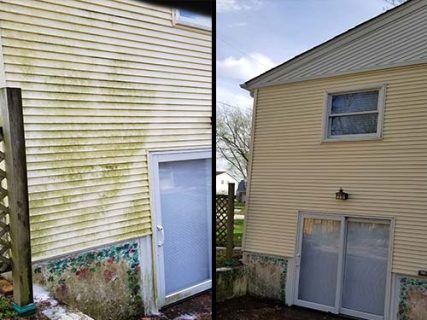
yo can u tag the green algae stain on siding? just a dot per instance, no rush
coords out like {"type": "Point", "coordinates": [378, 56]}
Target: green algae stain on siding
{"type": "Point", "coordinates": [75, 83]}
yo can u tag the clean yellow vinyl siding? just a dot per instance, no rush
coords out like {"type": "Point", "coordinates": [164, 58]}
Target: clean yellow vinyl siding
{"type": "Point", "coordinates": [293, 171]}
{"type": "Point", "coordinates": [103, 83]}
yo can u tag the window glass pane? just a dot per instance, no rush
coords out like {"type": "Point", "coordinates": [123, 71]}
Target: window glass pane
{"type": "Point", "coordinates": [354, 102]}
{"type": "Point", "coordinates": [366, 262]}
{"type": "Point", "coordinates": [319, 261]}
{"type": "Point", "coordinates": [187, 16]}
{"type": "Point", "coordinates": [356, 124]}
{"type": "Point", "coordinates": [184, 202]}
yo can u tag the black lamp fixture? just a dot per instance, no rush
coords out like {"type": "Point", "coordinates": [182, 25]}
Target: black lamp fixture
{"type": "Point", "coordinates": [341, 195]}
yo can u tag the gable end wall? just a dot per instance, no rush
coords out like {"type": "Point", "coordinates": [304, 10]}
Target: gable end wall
{"type": "Point", "coordinates": [292, 170]}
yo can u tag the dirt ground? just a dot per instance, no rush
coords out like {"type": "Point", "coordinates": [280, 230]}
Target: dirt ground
{"type": "Point", "coordinates": [196, 308]}
{"type": "Point", "coordinates": [250, 308]}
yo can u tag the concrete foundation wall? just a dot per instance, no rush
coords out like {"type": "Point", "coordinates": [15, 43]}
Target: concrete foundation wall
{"type": "Point", "coordinates": [412, 299]}
{"type": "Point", "coordinates": [104, 283]}
{"type": "Point", "coordinates": [266, 275]}
{"type": "Point", "coordinates": [231, 283]}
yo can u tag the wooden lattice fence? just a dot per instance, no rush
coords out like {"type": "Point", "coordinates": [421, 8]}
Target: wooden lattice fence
{"type": "Point", "coordinates": [225, 220]}
{"type": "Point", "coordinates": [5, 261]}
{"type": "Point", "coordinates": [221, 220]}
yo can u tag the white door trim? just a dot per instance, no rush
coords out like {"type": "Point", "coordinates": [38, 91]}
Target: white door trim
{"type": "Point", "coordinates": [344, 219]}
{"type": "Point", "coordinates": [154, 159]}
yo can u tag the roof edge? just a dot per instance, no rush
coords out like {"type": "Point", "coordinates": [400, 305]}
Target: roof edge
{"type": "Point", "coordinates": [251, 84]}
{"type": "Point", "coordinates": [343, 73]}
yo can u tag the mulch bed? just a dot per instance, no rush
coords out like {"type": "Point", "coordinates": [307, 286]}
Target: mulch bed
{"type": "Point", "coordinates": [250, 308]}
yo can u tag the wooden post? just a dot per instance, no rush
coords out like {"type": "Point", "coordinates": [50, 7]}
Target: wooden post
{"type": "Point", "coordinates": [230, 222]}
{"type": "Point", "coordinates": [17, 187]}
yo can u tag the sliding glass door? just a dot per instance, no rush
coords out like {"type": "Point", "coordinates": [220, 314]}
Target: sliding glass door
{"type": "Point", "coordinates": [365, 268]}
{"type": "Point", "coordinates": [342, 265]}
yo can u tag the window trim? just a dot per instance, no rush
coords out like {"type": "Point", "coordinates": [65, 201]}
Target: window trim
{"type": "Point", "coordinates": [179, 22]}
{"type": "Point", "coordinates": [325, 137]}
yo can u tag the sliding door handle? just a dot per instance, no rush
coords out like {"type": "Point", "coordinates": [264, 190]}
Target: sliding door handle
{"type": "Point", "coordinates": [161, 241]}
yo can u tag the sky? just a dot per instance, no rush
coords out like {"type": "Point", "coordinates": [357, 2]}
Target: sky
{"type": "Point", "coordinates": [254, 36]}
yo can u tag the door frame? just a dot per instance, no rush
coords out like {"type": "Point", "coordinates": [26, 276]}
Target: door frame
{"type": "Point", "coordinates": [308, 304]}
{"type": "Point", "coordinates": [154, 160]}
{"type": "Point", "coordinates": [343, 217]}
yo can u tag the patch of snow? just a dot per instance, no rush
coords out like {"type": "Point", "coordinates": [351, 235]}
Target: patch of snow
{"type": "Point", "coordinates": [186, 317]}
{"type": "Point", "coordinates": [40, 294]}
{"type": "Point", "coordinates": [54, 311]}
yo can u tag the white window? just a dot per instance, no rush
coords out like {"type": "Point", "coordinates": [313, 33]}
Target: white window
{"type": "Point", "coordinates": [192, 19]}
{"type": "Point", "coordinates": [354, 114]}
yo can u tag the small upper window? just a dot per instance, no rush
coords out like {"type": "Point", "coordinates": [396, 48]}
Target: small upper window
{"type": "Point", "coordinates": [354, 115]}
{"type": "Point", "coordinates": [193, 19]}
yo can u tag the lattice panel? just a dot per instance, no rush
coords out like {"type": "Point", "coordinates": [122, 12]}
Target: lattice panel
{"type": "Point", "coordinates": [5, 262]}
{"type": "Point", "coordinates": [221, 220]}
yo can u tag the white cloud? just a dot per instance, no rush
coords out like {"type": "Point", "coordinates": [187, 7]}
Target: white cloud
{"type": "Point", "coordinates": [238, 97]}
{"type": "Point", "coordinates": [244, 68]}
{"type": "Point", "coordinates": [237, 5]}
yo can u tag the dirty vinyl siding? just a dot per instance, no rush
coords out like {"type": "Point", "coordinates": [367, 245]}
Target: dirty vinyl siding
{"type": "Point", "coordinates": [293, 171]}
{"type": "Point", "coordinates": [103, 82]}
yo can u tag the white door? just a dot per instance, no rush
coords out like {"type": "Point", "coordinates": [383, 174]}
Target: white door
{"type": "Point", "coordinates": [182, 222]}
{"type": "Point", "coordinates": [342, 265]}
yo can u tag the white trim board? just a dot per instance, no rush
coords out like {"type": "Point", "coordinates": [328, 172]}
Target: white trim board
{"type": "Point", "coordinates": [251, 158]}
{"type": "Point", "coordinates": [147, 275]}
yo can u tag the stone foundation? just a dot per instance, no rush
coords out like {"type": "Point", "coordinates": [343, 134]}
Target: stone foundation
{"type": "Point", "coordinates": [104, 283]}
{"type": "Point", "coordinates": [266, 275]}
{"type": "Point", "coordinates": [412, 299]}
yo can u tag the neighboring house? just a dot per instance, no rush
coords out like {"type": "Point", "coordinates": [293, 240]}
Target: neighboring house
{"type": "Point", "coordinates": [117, 112]}
{"type": "Point", "coordinates": [350, 113]}
{"type": "Point", "coordinates": [241, 191]}
{"type": "Point", "coordinates": [222, 181]}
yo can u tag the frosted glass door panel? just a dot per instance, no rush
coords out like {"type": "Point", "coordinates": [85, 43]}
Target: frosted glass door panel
{"type": "Point", "coordinates": [365, 268]}
{"type": "Point", "coordinates": [185, 205]}
{"type": "Point", "coordinates": [319, 261]}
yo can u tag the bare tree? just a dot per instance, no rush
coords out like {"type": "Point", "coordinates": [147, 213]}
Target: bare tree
{"type": "Point", "coordinates": [233, 129]}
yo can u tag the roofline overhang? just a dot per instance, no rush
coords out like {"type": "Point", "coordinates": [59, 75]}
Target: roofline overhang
{"type": "Point", "coordinates": [252, 83]}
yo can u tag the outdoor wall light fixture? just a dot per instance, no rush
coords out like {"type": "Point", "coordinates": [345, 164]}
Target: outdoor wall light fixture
{"type": "Point", "coordinates": [341, 195]}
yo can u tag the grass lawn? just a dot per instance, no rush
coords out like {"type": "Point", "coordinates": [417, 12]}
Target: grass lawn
{"type": "Point", "coordinates": [221, 261]}
{"type": "Point", "coordinates": [238, 232]}
{"type": "Point", "coordinates": [239, 206]}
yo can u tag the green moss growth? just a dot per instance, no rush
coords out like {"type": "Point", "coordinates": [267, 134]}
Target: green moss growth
{"type": "Point", "coordinates": [6, 311]}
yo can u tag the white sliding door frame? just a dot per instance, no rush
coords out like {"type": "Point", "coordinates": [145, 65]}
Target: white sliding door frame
{"type": "Point", "coordinates": [337, 309]}
{"type": "Point", "coordinates": [155, 158]}
{"type": "Point", "coordinates": [307, 304]}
